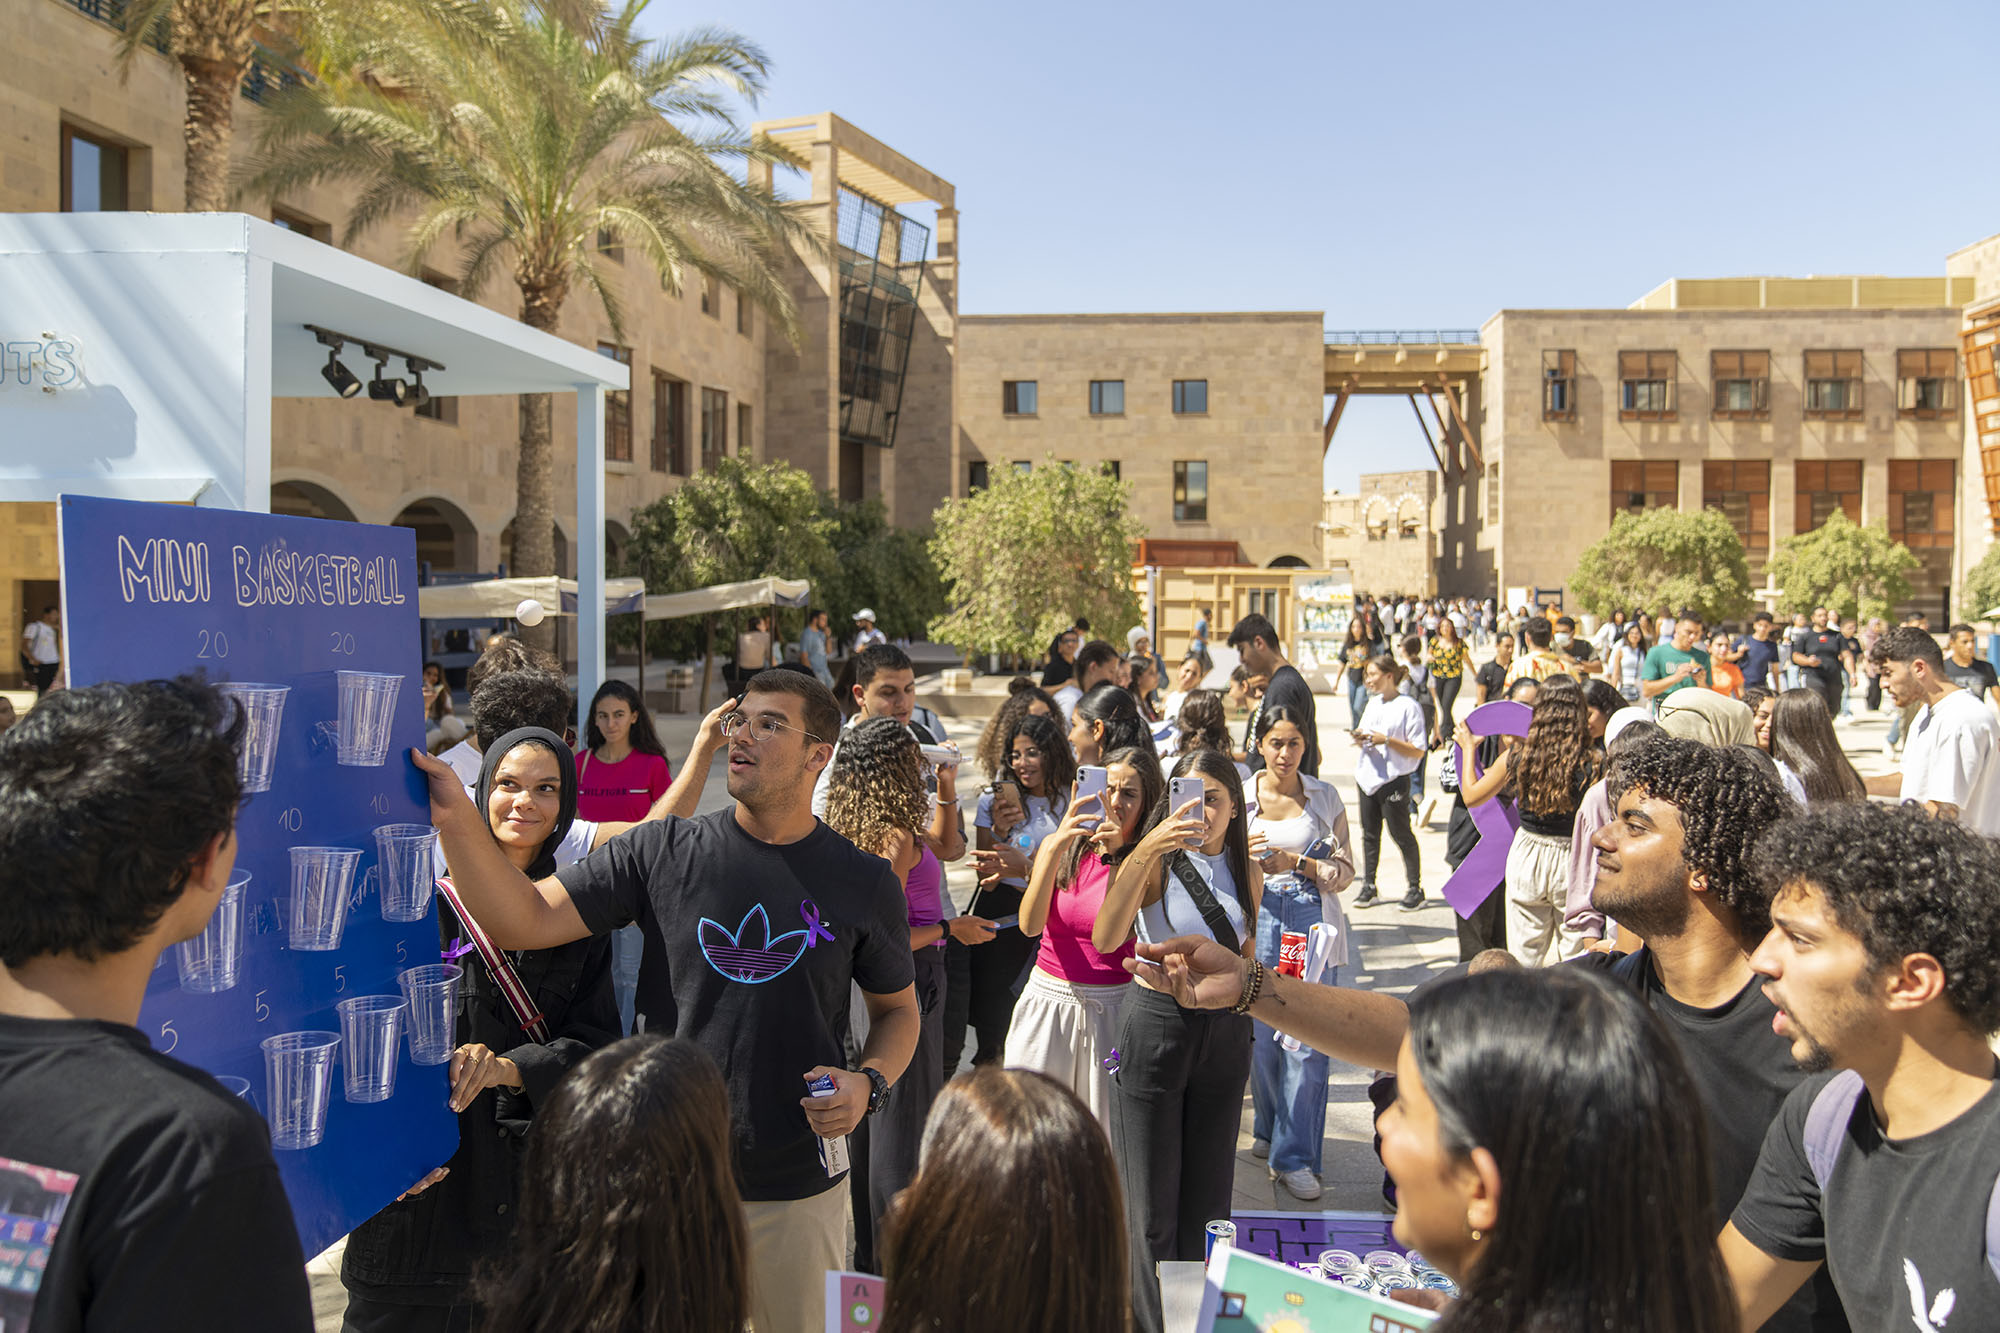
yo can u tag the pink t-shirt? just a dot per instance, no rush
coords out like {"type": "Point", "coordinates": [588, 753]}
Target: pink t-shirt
{"type": "Point", "coordinates": [623, 791]}
{"type": "Point", "coordinates": [1066, 950]}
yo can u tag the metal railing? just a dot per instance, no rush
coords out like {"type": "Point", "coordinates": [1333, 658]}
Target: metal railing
{"type": "Point", "coordinates": [1400, 337]}
{"type": "Point", "coordinates": [267, 73]}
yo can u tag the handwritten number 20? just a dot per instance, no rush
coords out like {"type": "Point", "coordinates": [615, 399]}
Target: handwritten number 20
{"type": "Point", "coordinates": [343, 644]}
{"type": "Point", "coordinates": [212, 644]}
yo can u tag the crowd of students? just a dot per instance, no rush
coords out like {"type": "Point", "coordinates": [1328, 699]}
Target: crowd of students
{"type": "Point", "coordinates": [1607, 1117]}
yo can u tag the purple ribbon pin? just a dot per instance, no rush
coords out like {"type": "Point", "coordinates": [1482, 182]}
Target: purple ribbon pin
{"type": "Point", "coordinates": [815, 932]}
{"type": "Point", "coordinates": [459, 948]}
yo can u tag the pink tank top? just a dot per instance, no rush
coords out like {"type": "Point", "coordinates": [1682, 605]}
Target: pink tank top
{"type": "Point", "coordinates": [1066, 951]}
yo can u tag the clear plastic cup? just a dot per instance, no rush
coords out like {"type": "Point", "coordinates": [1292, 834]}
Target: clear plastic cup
{"type": "Point", "coordinates": [263, 711]}
{"type": "Point", "coordinates": [404, 858]}
{"type": "Point", "coordinates": [298, 1078]}
{"type": "Point", "coordinates": [432, 1021]}
{"type": "Point", "coordinates": [212, 960]}
{"type": "Point", "coordinates": [322, 879]}
{"type": "Point", "coordinates": [371, 1034]}
{"type": "Point", "coordinates": [236, 1087]}
{"type": "Point", "coordinates": [367, 707]}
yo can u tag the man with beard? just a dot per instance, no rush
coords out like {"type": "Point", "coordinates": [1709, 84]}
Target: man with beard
{"type": "Point", "coordinates": [757, 921]}
{"type": "Point", "coordinates": [1881, 965]}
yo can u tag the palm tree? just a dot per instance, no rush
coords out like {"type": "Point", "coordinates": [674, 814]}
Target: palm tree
{"type": "Point", "coordinates": [214, 41]}
{"type": "Point", "coordinates": [531, 140]}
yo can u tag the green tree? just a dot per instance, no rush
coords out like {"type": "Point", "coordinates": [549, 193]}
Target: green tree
{"type": "Point", "coordinates": [741, 520]}
{"type": "Point", "coordinates": [1663, 557]}
{"type": "Point", "coordinates": [886, 568]}
{"type": "Point", "coordinates": [1980, 592]}
{"type": "Point", "coordinates": [534, 139]}
{"type": "Point", "coordinates": [1850, 569]}
{"type": "Point", "coordinates": [1023, 558]}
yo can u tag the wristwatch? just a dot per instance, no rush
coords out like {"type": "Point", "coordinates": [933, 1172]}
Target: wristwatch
{"type": "Point", "coordinates": [878, 1088]}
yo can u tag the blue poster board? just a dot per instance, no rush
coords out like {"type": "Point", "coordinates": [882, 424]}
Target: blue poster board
{"type": "Point", "coordinates": [154, 590]}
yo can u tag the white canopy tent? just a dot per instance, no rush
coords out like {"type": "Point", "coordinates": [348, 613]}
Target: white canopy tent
{"type": "Point", "coordinates": [728, 597]}
{"type": "Point", "coordinates": [139, 353]}
{"type": "Point", "coordinates": [500, 598]}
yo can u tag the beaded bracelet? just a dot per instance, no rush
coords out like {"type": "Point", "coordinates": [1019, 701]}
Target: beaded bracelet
{"type": "Point", "coordinates": [1253, 985]}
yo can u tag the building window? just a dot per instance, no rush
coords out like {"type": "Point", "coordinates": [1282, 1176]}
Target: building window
{"type": "Point", "coordinates": [96, 173]}
{"type": "Point", "coordinates": [1927, 383]}
{"type": "Point", "coordinates": [1822, 486]}
{"type": "Point", "coordinates": [317, 231]}
{"type": "Point", "coordinates": [617, 410]}
{"type": "Point", "coordinates": [711, 296]}
{"type": "Point", "coordinates": [1110, 469]}
{"type": "Point", "coordinates": [1645, 386]}
{"type": "Point", "coordinates": [607, 245]}
{"type": "Point", "coordinates": [975, 475]}
{"type": "Point", "coordinates": [1920, 494]}
{"type": "Point", "coordinates": [670, 424]}
{"type": "Point", "coordinates": [1742, 385]}
{"type": "Point", "coordinates": [1107, 398]}
{"type": "Point", "coordinates": [443, 409]}
{"type": "Point", "coordinates": [1023, 466]}
{"type": "Point", "coordinates": [1833, 386]}
{"type": "Point", "coordinates": [743, 314]}
{"type": "Point", "coordinates": [1017, 398]}
{"type": "Point", "coordinates": [1558, 385]}
{"type": "Point", "coordinates": [743, 428]}
{"type": "Point", "coordinates": [1742, 491]}
{"type": "Point", "coordinates": [714, 427]}
{"type": "Point", "coordinates": [1190, 492]}
{"type": "Point", "coordinates": [1637, 486]}
{"type": "Point", "coordinates": [1190, 397]}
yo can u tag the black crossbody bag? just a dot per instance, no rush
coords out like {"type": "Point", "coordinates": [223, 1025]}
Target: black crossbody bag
{"type": "Point", "coordinates": [1204, 899]}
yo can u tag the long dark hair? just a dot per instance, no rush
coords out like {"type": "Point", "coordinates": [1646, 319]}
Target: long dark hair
{"type": "Point", "coordinates": [1236, 840]}
{"type": "Point", "coordinates": [1114, 707]}
{"type": "Point", "coordinates": [1144, 761]}
{"type": "Point", "coordinates": [1802, 736]}
{"type": "Point", "coordinates": [1058, 760]}
{"type": "Point", "coordinates": [629, 1216]}
{"type": "Point", "coordinates": [1556, 749]}
{"type": "Point", "coordinates": [1612, 1126]}
{"type": "Point", "coordinates": [1015, 1219]}
{"type": "Point", "coordinates": [643, 738]}
{"type": "Point", "coordinates": [1022, 695]}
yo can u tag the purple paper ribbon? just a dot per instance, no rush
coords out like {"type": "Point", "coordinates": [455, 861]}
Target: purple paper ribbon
{"type": "Point", "coordinates": [815, 932]}
{"type": "Point", "coordinates": [459, 948]}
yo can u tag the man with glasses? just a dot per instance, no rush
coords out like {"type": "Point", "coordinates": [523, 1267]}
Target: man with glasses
{"type": "Point", "coordinates": [757, 919]}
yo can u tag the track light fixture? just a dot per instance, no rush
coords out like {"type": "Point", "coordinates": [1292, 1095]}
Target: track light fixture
{"type": "Point", "coordinates": [382, 388]}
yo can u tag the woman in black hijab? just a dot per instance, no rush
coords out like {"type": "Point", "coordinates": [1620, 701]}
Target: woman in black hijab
{"type": "Point", "coordinates": [407, 1269]}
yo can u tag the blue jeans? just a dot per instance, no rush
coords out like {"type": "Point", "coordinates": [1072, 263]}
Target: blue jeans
{"type": "Point", "coordinates": [1288, 1088]}
{"type": "Point", "coordinates": [627, 943]}
{"type": "Point", "coordinates": [1357, 697]}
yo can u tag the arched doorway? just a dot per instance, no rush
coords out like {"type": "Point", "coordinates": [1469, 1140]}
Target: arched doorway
{"type": "Point", "coordinates": [565, 557]}
{"type": "Point", "coordinates": [616, 539]}
{"type": "Point", "coordinates": [305, 499]}
{"type": "Point", "coordinates": [1288, 562]}
{"type": "Point", "coordinates": [447, 541]}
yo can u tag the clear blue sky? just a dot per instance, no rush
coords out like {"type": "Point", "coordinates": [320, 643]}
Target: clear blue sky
{"type": "Point", "coordinates": [1405, 166]}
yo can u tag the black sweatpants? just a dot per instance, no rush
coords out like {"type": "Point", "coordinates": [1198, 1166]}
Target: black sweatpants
{"type": "Point", "coordinates": [957, 1003]}
{"type": "Point", "coordinates": [883, 1150]}
{"type": "Point", "coordinates": [999, 966]}
{"type": "Point", "coordinates": [1390, 804]}
{"type": "Point", "coordinates": [1447, 701]}
{"type": "Point", "coordinates": [1175, 1111]}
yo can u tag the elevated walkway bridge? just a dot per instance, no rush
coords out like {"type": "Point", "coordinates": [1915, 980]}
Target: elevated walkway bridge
{"type": "Point", "coordinates": [1439, 368]}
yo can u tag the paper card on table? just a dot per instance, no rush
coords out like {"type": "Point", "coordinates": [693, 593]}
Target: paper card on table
{"type": "Point", "coordinates": [1246, 1293]}
{"type": "Point", "coordinates": [854, 1303]}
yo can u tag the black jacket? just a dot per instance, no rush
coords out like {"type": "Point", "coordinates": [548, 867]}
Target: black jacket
{"type": "Point", "coordinates": [422, 1250]}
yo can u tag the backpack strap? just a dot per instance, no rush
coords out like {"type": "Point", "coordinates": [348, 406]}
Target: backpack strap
{"type": "Point", "coordinates": [1993, 1230]}
{"type": "Point", "coordinates": [1826, 1125]}
{"type": "Point", "coordinates": [1204, 899]}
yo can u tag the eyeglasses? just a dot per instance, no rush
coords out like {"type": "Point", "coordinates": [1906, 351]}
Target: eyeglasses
{"type": "Point", "coordinates": [763, 727]}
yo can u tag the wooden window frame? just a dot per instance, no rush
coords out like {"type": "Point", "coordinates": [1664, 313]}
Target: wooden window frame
{"type": "Point", "coordinates": [1917, 366]}
{"type": "Point", "coordinates": [711, 296]}
{"type": "Point", "coordinates": [1558, 383]}
{"type": "Point", "coordinates": [977, 478]}
{"type": "Point", "coordinates": [1010, 398]}
{"type": "Point", "coordinates": [1648, 367]}
{"type": "Point", "coordinates": [1837, 479]}
{"type": "Point", "coordinates": [1655, 481]}
{"type": "Point", "coordinates": [1737, 367]}
{"type": "Point", "coordinates": [714, 441]}
{"type": "Point", "coordinates": [745, 420]}
{"type": "Point", "coordinates": [1183, 506]}
{"type": "Point", "coordinates": [1935, 479]}
{"type": "Point", "coordinates": [1724, 480]}
{"type": "Point", "coordinates": [670, 424]}
{"type": "Point", "coordinates": [66, 190]}
{"type": "Point", "coordinates": [1823, 365]}
{"type": "Point", "coordinates": [1097, 388]}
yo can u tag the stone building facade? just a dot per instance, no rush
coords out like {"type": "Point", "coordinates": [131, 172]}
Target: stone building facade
{"type": "Point", "coordinates": [1214, 419]}
{"type": "Point", "coordinates": [1385, 535]}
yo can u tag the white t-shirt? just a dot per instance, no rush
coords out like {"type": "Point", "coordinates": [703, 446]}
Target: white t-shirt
{"type": "Point", "coordinates": [1066, 696]}
{"type": "Point", "coordinates": [1950, 757]}
{"type": "Point", "coordinates": [41, 641]}
{"type": "Point", "coordinates": [1400, 717]}
{"type": "Point", "coordinates": [466, 762]}
{"type": "Point", "coordinates": [1323, 808]}
{"type": "Point", "coordinates": [1176, 913]}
